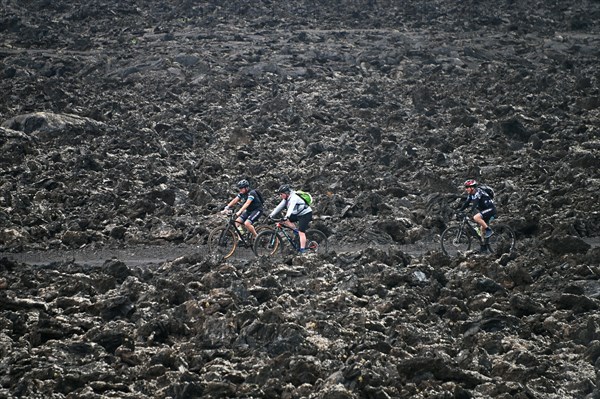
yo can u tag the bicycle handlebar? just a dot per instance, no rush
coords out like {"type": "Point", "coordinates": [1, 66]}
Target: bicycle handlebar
{"type": "Point", "coordinates": [227, 212]}
{"type": "Point", "coordinates": [230, 211]}
{"type": "Point", "coordinates": [461, 215]}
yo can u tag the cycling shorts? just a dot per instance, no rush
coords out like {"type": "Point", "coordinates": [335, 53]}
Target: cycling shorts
{"type": "Point", "coordinates": [487, 214]}
{"type": "Point", "coordinates": [303, 221]}
{"type": "Point", "coordinates": [251, 216]}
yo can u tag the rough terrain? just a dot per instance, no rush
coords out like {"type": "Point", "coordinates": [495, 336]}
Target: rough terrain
{"type": "Point", "coordinates": [124, 126]}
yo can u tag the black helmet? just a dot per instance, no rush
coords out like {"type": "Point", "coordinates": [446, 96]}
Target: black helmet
{"type": "Point", "coordinates": [284, 189]}
{"type": "Point", "coordinates": [243, 184]}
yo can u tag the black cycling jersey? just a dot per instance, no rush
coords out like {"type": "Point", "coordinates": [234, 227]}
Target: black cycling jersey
{"type": "Point", "coordinates": [256, 202]}
{"type": "Point", "coordinates": [480, 200]}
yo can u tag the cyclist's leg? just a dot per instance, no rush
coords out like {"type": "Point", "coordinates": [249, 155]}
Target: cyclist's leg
{"type": "Point", "coordinates": [487, 215]}
{"type": "Point", "coordinates": [252, 218]}
{"type": "Point", "coordinates": [303, 223]}
{"type": "Point", "coordinates": [478, 218]}
{"type": "Point", "coordinates": [240, 221]}
{"type": "Point", "coordinates": [290, 222]}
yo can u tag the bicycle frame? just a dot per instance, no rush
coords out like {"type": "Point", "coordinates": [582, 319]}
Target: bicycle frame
{"type": "Point", "coordinates": [281, 229]}
{"type": "Point", "coordinates": [270, 242]}
{"type": "Point", "coordinates": [231, 224]}
{"type": "Point", "coordinates": [473, 231]}
{"type": "Point", "coordinates": [458, 237]}
{"type": "Point", "coordinates": [225, 240]}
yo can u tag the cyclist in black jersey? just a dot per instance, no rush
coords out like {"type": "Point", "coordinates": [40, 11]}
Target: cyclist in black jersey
{"type": "Point", "coordinates": [481, 202]}
{"type": "Point", "coordinates": [251, 209]}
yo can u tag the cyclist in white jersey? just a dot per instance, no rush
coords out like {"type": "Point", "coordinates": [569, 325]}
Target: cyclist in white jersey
{"type": "Point", "coordinates": [297, 211]}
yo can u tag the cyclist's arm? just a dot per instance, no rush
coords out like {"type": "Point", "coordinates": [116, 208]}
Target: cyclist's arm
{"type": "Point", "coordinates": [278, 209]}
{"type": "Point", "coordinates": [232, 202]}
{"type": "Point", "coordinates": [465, 204]}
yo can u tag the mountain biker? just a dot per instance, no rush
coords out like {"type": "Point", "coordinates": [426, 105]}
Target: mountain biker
{"type": "Point", "coordinates": [481, 202]}
{"type": "Point", "coordinates": [251, 209]}
{"type": "Point", "coordinates": [297, 211]}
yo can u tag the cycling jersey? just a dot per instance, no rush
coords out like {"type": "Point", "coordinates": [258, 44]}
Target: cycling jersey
{"type": "Point", "coordinates": [480, 200]}
{"type": "Point", "coordinates": [251, 195]}
{"type": "Point", "coordinates": [294, 204]}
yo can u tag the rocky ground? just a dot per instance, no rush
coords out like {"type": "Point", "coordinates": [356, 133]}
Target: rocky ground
{"type": "Point", "coordinates": [124, 126]}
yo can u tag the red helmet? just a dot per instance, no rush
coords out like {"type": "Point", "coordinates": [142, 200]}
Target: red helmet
{"type": "Point", "coordinates": [471, 183]}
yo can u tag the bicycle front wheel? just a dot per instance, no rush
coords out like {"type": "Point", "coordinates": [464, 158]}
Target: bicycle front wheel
{"type": "Point", "coordinates": [455, 240]}
{"type": "Point", "coordinates": [222, 242]}
{"type": "Point", "coordinates": [502, 241]}
{"type": "Point", "coordinates": [316, 241]}
{"type": "Point", "coordinates": [266, 243]}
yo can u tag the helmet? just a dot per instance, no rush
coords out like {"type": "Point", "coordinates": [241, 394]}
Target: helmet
{"type": "Point", "coordinates": [243, 184]}
{"type": "Point", "coordinates": [284, 189]}
{"type": "Point", "coordinates": [471, 183]}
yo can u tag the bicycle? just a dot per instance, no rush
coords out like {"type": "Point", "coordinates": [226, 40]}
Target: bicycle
{"type": "Point", "coordinates": [457, 239]}
{"type": "Point", "coordinates": [268, 242]}
{"type": "Point", "coordinates": [223, 241]}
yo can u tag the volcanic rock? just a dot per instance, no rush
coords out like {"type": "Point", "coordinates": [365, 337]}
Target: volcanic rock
{"type": "Point", "coordinates": [124, 127]}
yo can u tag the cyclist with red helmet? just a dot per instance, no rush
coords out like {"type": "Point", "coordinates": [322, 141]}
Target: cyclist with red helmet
{"type": "Point", "coordinates": [481, 202]}
{"type": "Point", "coordinates": [251, 209]}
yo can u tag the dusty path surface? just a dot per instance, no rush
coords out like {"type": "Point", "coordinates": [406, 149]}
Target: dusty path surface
{"type": "Point", "coordinates": [141, 255]}
{"type": "Point", "coordinates": [145, 255]}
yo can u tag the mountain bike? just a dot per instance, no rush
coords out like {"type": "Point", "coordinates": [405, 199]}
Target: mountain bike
{"type": "Point", "coordinates": [458, 238]}
{"type": "Point", "coordinates": [223, 241]}
{"type": "Point", "coordinates": [268, 242]}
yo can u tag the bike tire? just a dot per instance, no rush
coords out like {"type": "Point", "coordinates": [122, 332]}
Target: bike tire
{"type": "Point", "coordinates": [222, 242]}
{"type": "Point", "coordinates": [502, 241]}
{"type": "Point", "coordinates": [267, 243]}
{"type": "Point", "coordinates": [455, 241]}
{"type": "Point", "coordinates": [316, 241]}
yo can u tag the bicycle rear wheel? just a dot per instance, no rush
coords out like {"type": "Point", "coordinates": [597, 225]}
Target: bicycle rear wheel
{"type": "Point", "coordinates": [502, 241]}
{"type": "Point", "coordinates": [455, 240]}
{"type": "Point", "coordinates": [222, 242]}
{"type": "Point", "coordinates": [266, 243]}
{"type": "Point", "coordinates": [316, 241]}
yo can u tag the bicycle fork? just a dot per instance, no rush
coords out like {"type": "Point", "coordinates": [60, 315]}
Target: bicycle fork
{"type": "Point", "coordinates": [458, 237]}
{"type": "Point", "coordinates": [272, 241]}
{"type": "Point", "coordinates": [223, 238]}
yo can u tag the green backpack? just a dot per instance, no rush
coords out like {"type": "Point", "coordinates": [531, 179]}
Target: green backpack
{"type": "Point", "coordinates": [305, 196]}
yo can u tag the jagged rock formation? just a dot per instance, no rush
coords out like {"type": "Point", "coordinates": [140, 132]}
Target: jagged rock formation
{"type": "Point", "coordinates": [125, 125]}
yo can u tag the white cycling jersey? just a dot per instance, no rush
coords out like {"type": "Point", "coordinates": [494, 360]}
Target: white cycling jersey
{"type": "Point", "coordinates": [294, 204]}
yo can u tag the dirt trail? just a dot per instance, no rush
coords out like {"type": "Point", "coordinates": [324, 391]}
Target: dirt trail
{"type": "Point", "coordinates": [143, 254]}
